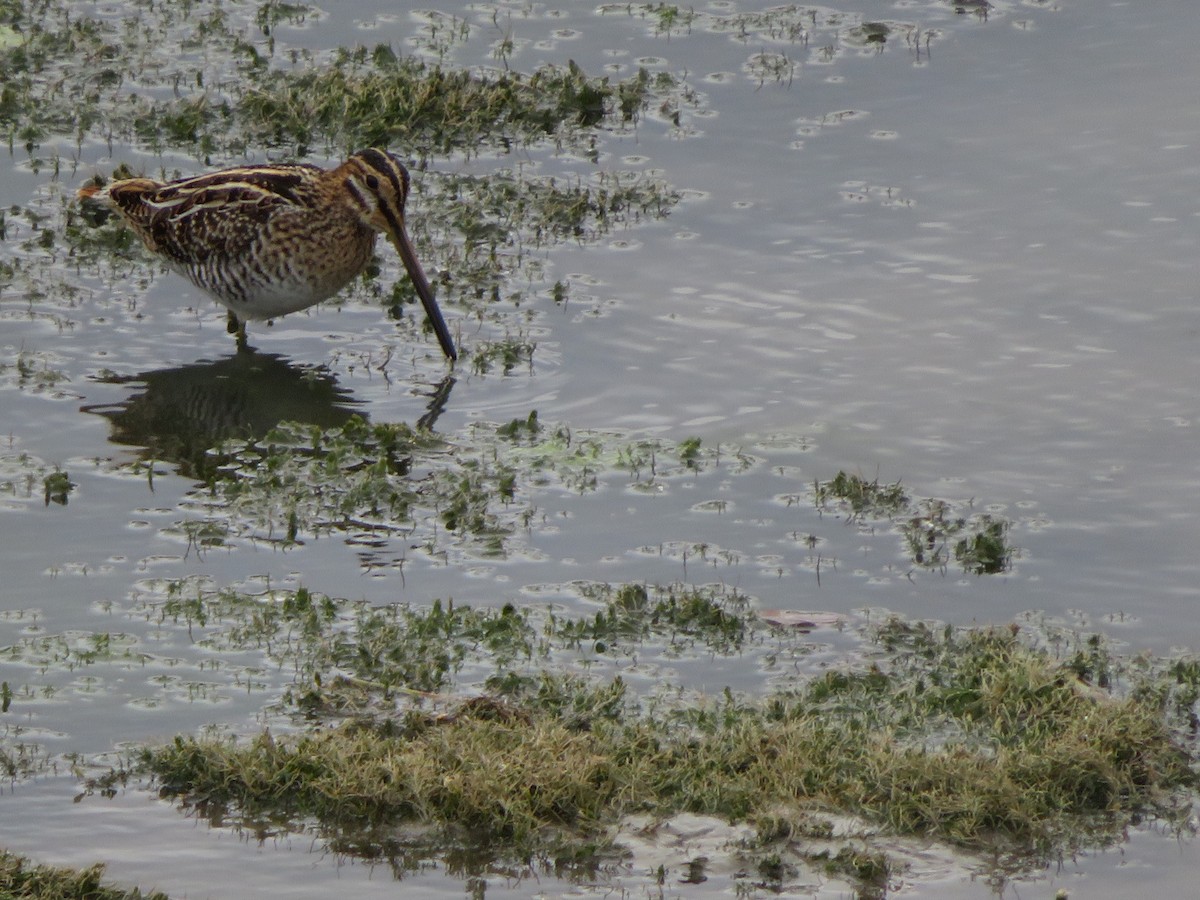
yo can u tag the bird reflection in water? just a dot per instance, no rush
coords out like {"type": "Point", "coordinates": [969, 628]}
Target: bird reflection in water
{"type": "Point", "coordinates": [181, 413]}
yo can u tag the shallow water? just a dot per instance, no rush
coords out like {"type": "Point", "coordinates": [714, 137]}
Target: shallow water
{"type": "Point", "coordinates": [967, 268]}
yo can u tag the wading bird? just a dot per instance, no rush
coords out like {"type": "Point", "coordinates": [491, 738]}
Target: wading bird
{"type": "Point", "coordinates": [273, 239]}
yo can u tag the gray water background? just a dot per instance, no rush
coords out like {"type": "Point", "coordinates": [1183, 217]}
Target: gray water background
{"type": "Point", "coordinates": [981, 283]}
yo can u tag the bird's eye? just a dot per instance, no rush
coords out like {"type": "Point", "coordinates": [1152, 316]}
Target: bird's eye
{"type": "Point", "coordinates": [373, 182]}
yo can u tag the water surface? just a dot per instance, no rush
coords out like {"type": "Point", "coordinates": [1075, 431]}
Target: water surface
{"type": "Point", "coordinates": [967, 267]}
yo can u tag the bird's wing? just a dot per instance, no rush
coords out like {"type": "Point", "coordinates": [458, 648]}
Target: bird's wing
{"type": "Point", "coordinates": [215, 214]}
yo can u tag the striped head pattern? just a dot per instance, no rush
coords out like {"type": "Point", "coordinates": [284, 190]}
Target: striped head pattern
{"type": "Point", "coordinates": [378, 183]}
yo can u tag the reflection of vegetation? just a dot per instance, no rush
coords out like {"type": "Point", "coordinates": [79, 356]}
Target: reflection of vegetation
{"type": "Point", "coordinates": [972, 736]}
{"type": "Point", "coordinates": [19, 880]}
{"type": "Point", "coordinates": [932, 529]}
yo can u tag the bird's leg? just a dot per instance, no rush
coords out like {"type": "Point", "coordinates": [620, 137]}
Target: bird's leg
{"type": "Point", "coordinates": [236, 326]}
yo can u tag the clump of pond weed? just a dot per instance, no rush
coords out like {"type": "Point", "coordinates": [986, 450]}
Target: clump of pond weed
{"type": "Point", "coordinates": [934, 531]}
{"type": "Point", "coordinates": [633, 615]}
{"type": "Point", "coordinates": [22, 880]}
{"type": "Point", "coordinates": [865, 499]}
{"type": "Point", "coordinates": [969, 736]}
{"type": "Point", "coordinates": [505, 355]}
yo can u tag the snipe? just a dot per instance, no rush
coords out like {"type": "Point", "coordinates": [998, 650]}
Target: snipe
{"type": "Point", "coordinates": [273, 239]}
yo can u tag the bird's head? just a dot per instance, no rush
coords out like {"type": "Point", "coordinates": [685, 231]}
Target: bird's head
{"type": "Point", "coordinates": [378, 183]}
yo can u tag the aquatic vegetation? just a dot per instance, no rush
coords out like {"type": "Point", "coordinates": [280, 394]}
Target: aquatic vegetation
{"type": "Point", "coordinates": [374, 482]}
{"type": "Point", "coordinates": [820, 33]}
{"type": "Point", "coordinates": [22, 880]}
{"type": "Point", "coordinates": [933, 530]}
{"type": "Point", "coordinates": [682, 620]}
{"type": "Point", "coordinates": [864, 498]}
{"type": "Point", "coordinates": [34, 371]}
{"type": "Point", "coordinates": [25, 478]}
{"type": "Point", "coordinates": [71, 651]}
{"type": "Point", "coordinates": [506, 355]}
{"type": "Point", "coordinates": [21, 758]}
{"type": "Point", "coordinates": [971, 736]}
{"type": "Point", "coordinates": [231, 91]}
{"type": "Point", "coordinates": [335, 644]}
{"type": "Point", "coordinates": [372, 97]}
{"type": "Point", "coordinates": [484, 492]}
{"type": "Point", "coordinates": [364, 480]}
{"type": "Point", "coordinates": [58, 486]}
{"type": "Point", "coordinates": [986, 551]}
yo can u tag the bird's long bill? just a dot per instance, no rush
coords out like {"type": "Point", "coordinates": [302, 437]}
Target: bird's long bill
{"type": "Point", "coordinates": [405, 248]}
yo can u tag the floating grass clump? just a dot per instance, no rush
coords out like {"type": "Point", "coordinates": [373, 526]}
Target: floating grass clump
{"type": "Point", "coordinates": [934, 531]}
{"type": "Point", "coordinates": [865, 499]}
{"type": "Point", "coordinates": [19, 880]}
{"type": "Point", "coordinates": [75, 77]}
{"type": "Point", "coordinates": [375, 98]}
{"type": "Point", "coordinates": [970, 736]}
